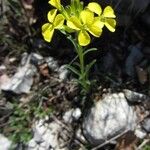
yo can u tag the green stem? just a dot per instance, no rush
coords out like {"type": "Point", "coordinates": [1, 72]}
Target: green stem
{"type": "Point", "coordinates": [81, 59]}
{"type": "Point", "coordinates": [80, 52]}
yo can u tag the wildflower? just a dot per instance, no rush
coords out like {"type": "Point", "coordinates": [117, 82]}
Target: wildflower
{"type": "Point", "coordinates": [83, 24]}
{"type": "Point", "coordinates": [55, 22]}
{"type": "Point", "coordinates": [55, 3]}
{"type": "Point", "coordinates": [106, 18]}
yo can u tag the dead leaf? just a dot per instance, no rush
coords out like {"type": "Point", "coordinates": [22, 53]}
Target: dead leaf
{"type": "Point", "coordinates": [44, 70]}
{"type": "Point", "coordinates": [127, 142]}
{"type": "Point", "coordinates": [142, 75]}
{"type": "Point", "coordinates": [4, 79]}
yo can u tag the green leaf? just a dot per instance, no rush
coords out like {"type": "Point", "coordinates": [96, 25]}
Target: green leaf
{"type": "Point", "coordinates": [73, 69]}
{"type": "Point", "coordinates": [88, 67]}
{"type": "Point", "coordinates": [73, 7]}
{"type": "Point", "coordinates": [76, 64]}
{"type": "Point", "coordinates": [90, 50]}
{"type": "Point", "coordinates": [81, 83]}
{"type": "Point", "coordinates": [72, 41]}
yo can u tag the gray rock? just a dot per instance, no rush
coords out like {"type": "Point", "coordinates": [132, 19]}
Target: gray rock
{"type": "Point", "coordinates": [133, 59]}
{"type": "Point", "coordinates": [146, 124]}
{"type": "Point", "coordinates": [135, 97]}
{"type": "Point", "coordinates": [107, 118]}
{"type": "Point", "coordinates": [36, 58]}
{"type": "Point", "coordinates": [108, 62]}
{"type": "Point", "coordinates": [5, 144]}
{"type": "Point", "coordinates": [63, 72]}
{"type": "Point", "coordinates": [52, 64]}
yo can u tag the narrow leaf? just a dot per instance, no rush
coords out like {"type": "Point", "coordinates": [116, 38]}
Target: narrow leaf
{"type": "Point", "coordinates": [74, 70]}
{"type": "Point", "coordinates": [90, 50]}
{"type": "Point", "coordinates": [88, 67]}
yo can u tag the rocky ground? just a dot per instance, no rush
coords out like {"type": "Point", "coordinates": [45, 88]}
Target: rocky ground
{"type": "Point", "coordinates": [40, 103]}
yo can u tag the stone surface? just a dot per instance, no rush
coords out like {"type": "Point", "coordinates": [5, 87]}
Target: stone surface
{"type": "Point", "coordinates": [72, 115]}
{"type": "Point", "coordinates": [140, 133]}
{"type": "Point", "coordinates": [107, 118]}
{"type": "Point", "coordinates": [52, 64]}
{"type": "Point", "coordinates": [63, 72]}
{"type": "Point", "coordinates": [146, 124]}
{"type": "Point", "coordinates": [132, 96]}
{"type": "Point", "coordinates": [135, 56]}
{"type": "Point", "coordinates": [22, 80]}
{"type": "Point", "coordinates": [5, 144]}
{"type": "Point", "coordinates": [46, 136]}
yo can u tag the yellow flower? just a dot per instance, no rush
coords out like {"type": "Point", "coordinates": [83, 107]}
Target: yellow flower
{"type": "Point", "coordinates": [55, 22]}
{"type": "Point", "coordinates": [55, 3]}
{"type": "Point", "coordinates": [85, 22]}
{"type": "Point", "coordinates": [106, 18]}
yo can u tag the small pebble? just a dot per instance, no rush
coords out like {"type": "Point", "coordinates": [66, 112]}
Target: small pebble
{"type": "Point", "coordinates": [140, 133]}
{"type": "Point", "coordinates": [76, 114]}
{"type": "Point", "coordinates": [11, 60]}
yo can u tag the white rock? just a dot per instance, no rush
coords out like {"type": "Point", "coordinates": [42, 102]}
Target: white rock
{"type": "Point", "coordinates": [76, 114]}
{"type": "Point", "coordinates": [51, 135]}
{"type": "Point", "coordinates": [73, 114]}
{"type": "Point", "coordinates": [39, 127]}
{"type": "Point", "coordinates": [41, 148]}
{"type": "Point", "coordinates": [140, 133]}
{"type": "Point", "coordinates": [2, 67]}
{"type": "Point", "coordinates": [67, 117]}
{"type": "Point", "coordinates": [45, 136]}
{"type": "Point", "coordinates": [22, 81]}
{"type": "Point", "coordinates": [80, 136]}
{"type": "Point", "coordinates": [107, 118]}
{"type": "Point", "coordinates": [12, 59]}
{"type": "Point", "coordinates": [52, 64]}
{"type": "Point", "coordinates": [63, 72]}
{"type": "Point", "coordinates": [37, 56]}
{"type": "Point", "coordinates": [32, 144]}
{"type": "Point", "coordinates": [5, 144]}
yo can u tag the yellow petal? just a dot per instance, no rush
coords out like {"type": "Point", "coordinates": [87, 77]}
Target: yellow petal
{"type": "Point", "coordinates": [47, 32]}
{"type": "Point", "coordinates": [74, 23]}
{"type": "Point", "coordinates": [83, 38]}
{"type": "Point", "coordinates": [59, 21]}
{"type": "Point", "coordinates": [55, 3]}
{"type": "Point", "coordinates": [95, 7]}
{"type": "Point", "coordinates": [110, 24]}
{"type": "Point", "coordinates": [67, 29]}
{"type": "Point", "coordinates": [87, 17]}
{"type": "Point", "coordinates": [98, 22]}
{"type": "Point", "coordinates": [95, 31]}
{"type": "Point", "coordinates": [109, 12]}
{"type": "Point", "coordinates": [51, 15]}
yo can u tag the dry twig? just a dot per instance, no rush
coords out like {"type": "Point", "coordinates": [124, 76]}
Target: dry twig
{"type": "Point", "coordinates": [109, 141]}
{"type": "Point", "coordinates": [143, 144]}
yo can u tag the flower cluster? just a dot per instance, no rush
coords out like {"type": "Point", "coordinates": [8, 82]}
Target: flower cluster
{"type": "Point", "coordinates": [85, 21]}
